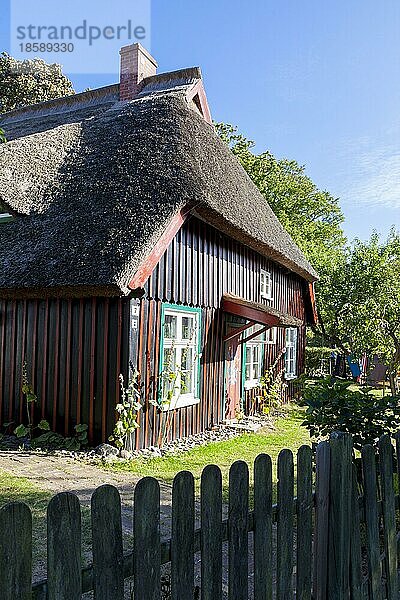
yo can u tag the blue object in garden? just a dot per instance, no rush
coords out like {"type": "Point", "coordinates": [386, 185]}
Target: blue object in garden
{"type": "Point", "coordinates": [354, 367]}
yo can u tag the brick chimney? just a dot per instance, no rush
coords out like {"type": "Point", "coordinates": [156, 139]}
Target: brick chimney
{"type": "Point", "coordinates": [136, 64]}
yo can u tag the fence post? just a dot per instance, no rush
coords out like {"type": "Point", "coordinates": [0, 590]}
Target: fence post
{"type": "Point", "coordinates": [238, 531]}
{"type": "Point", "coordinates": [304, 523]}
{"type": "Point", "coordinates": [15, 552]}
{"type": "Point", "coordinates": [64, 576]}
{"type": "Point", "coordinates": [389, 515]}
{"type": "Point", "coordinates": [284, 543]}
{"type": "Point", "coordinates": [108, 559]}
{"type": "Point", "coordinates": [339, 516]}
{"type": "Point", "coordinates": [182, 542]}
{"type": "Point", "coordinates": [323, 468]}
{"type": "Point", "coordinates": [263, 527]}
{"type": "Point", "coordinates": [211, 533]}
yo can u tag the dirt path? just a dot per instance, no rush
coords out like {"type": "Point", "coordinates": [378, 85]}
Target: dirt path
{"type": "Point", "coordinates": [62, 474]}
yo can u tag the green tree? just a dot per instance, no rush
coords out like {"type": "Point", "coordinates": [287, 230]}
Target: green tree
{"type": "Point", "coordinates": [25, 82]}
{"type": "Point", "coordinates": [362, 309]}
{"type": "Point", "coordinates": [311, 216]}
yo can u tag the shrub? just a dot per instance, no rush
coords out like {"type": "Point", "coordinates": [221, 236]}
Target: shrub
{"type": "Point", "coordinates": [314, 357]}
{"type": "Point", "coordinates": [333, 406]}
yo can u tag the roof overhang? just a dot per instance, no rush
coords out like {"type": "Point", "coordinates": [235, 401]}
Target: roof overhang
{"type": "Point", "coordinates": [258, 313]}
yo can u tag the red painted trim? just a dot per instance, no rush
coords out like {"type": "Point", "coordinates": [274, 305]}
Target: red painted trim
{"type": "Point", "coordinates": [80, 353]}
{"type": "Point", "coordinates": [21, 395]}
{"type": "Point", "coordinates": [254, 335]}
{"type": "Point", "coordinates": [237, 331]}
{"type": "Point", "coordinates": [2, 336]}
{"type": "Point", "coordinates": [199, 91]}
{"type": "Point", "coordinates": [12, 345]}
{"type": "Point", "coordinates": [253, 314]}
{"type": "Point", "coordinates": [313, 303]}
{"type": "Point", "coordinates": [151, 261]}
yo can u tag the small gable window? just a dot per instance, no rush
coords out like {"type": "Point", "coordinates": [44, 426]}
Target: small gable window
{"type": "Point", "coordinates": [265, 284]}
{"type": "Point", "coordinates": [291, 353]}
{"type": "Point", "coordinates": [179, 357]}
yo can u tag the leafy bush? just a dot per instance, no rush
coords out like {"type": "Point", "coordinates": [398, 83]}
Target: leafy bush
{"type": "Point", "coordinates": [314, 356]}
{"type": "Point", "coordinates": [333, 406]}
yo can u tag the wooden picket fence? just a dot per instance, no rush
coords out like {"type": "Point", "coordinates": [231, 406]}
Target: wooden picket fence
{"type": "Point", "coordinates": [336, 540]}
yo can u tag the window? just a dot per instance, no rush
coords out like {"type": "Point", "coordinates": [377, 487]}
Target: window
{"type": "Point", "coordinates": [179, 368]}
{"type": "Point", "coordinates": [266, 285]}
{"type": "Point", "coordinates": [254, 354]}
{"type": "Point", "coordinates": [291, 353]}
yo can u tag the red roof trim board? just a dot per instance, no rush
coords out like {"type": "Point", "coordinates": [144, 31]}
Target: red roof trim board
{"type": "Point", "coordinates": [149, 264]}
{"type": "Point", "coordinates": [199, 91]}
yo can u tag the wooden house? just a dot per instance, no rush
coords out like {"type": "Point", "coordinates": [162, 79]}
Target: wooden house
{"type": "Point", "coordinates": [131, 234]}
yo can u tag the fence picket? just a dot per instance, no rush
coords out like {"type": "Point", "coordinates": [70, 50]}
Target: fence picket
{"type": "Point", "coordinates": [238, 531]}
{"type": "Point", "coordinates": [285, 526]}
{"type": "Point", "coordinates": [211, 533]}
{"type": "Point", "coordinates": [15, 552]}
{"type": "Point", "coordinates": [355, 542]}
{"type": "Point", "coordinates": [108, 559]}
{"type": "Point", "coordinates": [147, 554]}
{"type": "Point", "coordinates": [372, 522]}
{"type": "Point", "coordinates": [182, 542]}
{"type": "Point", "coordinates": [304, 523]}
{"type": "Point", "coordinates": [323, 465]}
{"type": "Point", "coordinates": [339, 516]}
{"type": "Point", "coordinates": [389, 516]}
{"type": "Point", "coordinates": [263, 528]}
{"type": "Point", "coordinates": [64, 578]}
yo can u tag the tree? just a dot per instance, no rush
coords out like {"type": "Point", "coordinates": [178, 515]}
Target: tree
{"type": "Point", "coordinates": [25, 82]}
{"type": "Point", "coordinates": [311, 216]}
{"type": "Point", "coordinates": [2, 136]}
{"type": "Point", "coordinates": [362, 309]}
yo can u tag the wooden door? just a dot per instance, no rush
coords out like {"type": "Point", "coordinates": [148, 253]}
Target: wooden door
{"type": "Point", "coordinates": [233, 377]}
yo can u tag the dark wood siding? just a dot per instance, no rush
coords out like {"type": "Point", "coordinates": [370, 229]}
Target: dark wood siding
{"type": "Point", "coordinates": [75, 349]}
{"type": "Point", "coordinates": [198, 267]}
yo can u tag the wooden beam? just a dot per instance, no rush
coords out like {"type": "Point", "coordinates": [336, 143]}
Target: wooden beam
{"type": "Point", "coordinates": [237, 331]}
{"type": "Point", "coordinates": [251, 313]}
{"type": "Point", "coordinates": [255, 334]}
{"type": "Point", "coordinates": [151, 261]}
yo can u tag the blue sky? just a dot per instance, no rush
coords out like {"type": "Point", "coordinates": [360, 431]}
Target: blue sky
{"type": "Point", "coordinates": [315, 81]}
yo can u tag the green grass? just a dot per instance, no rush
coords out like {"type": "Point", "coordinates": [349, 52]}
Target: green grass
{"type": "Point", "coordinates": [288, 434]}
{"type": "Point", "coordinates": [21, 489]}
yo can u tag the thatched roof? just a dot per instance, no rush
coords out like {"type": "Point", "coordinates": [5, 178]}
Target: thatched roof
{"type": "Point", "coordinates": [95, 182]}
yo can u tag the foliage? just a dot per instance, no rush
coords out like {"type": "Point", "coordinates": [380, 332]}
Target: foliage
{"type": "Point", "coordinates": [362, 311]}
{"type": "Point", "coordinates": [333, 406]}
{"type": "Point", "coordinates": [128, 411]}
{"type": "Point", "coordinates": [25, 82]}
{"type": "Point", "coordinates": [272, 387]}
{"type": "Point", "coordinates": [314, 357]}
{"type": "Point", "coordinates": [54, 441]}
{"type": "Point", "coordinates": [30, 399]}
{"type": "Point", "coordinates": [311, 216]}
{"type": "Point", "coordinates": [2, 136]}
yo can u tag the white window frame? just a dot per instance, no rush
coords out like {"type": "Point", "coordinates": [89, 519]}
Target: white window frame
{"type": "Point", "coordinates": [291, 345]}
{"type": "Point", "coordinates": [179, 344]}
{"type": "Point", "coordinates": [266, 284]}
{"type": "Point", "coordinates": [5, 217]}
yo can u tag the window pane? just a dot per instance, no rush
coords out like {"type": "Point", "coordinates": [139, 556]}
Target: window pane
{"type": "Point", "coordinates": [170, 327]}
{"type": "Point", "coordinates": [169, 373]}
{"type": "Point", "coordinates": [188, 328]}
{"type": "Point", "coordinates": [187, 368]}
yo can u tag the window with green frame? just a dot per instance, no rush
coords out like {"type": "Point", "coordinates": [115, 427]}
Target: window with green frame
{"type": "Point", "coordinates": [254, 355]}
{"type": "Point", "coordinates": [179, 356]}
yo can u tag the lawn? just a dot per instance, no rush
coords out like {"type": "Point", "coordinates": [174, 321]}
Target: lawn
{"type": "Point", "coordinates": [19, 489]}
{"type": "Point", "coordinates": [288, 434]}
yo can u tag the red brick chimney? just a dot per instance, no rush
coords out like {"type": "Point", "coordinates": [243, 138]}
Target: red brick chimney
{"type": "Point", "coordinates": [136, 64]}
